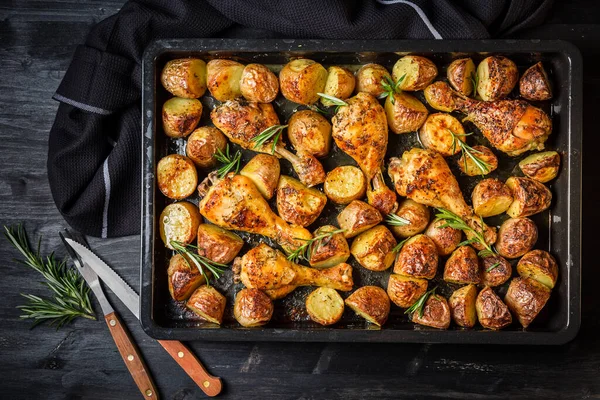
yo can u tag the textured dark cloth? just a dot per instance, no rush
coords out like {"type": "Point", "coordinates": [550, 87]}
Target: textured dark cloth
{"type": "Point", "coordinates": [94, 163]}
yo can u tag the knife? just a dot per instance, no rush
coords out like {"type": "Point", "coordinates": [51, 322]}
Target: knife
{"type": "Point", "coordinates": [211, 385]}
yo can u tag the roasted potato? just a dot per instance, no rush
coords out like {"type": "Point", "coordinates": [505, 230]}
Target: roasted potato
{"type": "Point", "coordinates": [516, 237]}
{"type": "Point", "coordinates": [461, 74]}
{"type": "Point", "coordinates": [417, 214]}
{"type": "Point", "coordinates": [542, 167]}
{"type": "Point", "coordinates": [439, 97]}
{"type": "Point", "coordinates": [418, 258]}
{"type": "Point", "coordinates": [340, 83]}
{"type": "Point", "coordinates": [462, 306]}
{"type": "Point", "coordinates": [218, 244]}
{"type": "Point", "coordinates": [463, 267]}
{"type": "Point", "coordinates": [437, 134]}
{"type": "Point", "coordinates": [369, 78]}
{"type": "Point", "coordinates": [525, 298]}
{"type": "Point", "coordinates": [370, 302]}
{"type": "Point", "coordinates": [300, 81]}
{"type": "Point", "coordinates": [310, 132]}
{"type": "Point", "coordinates": [540, 266]}
{"type": "Point", "coordinates": [185, 77]}
{"type": "Point", "coordinates": [436, 313]}
{"type": "Point", "coordinates": [404, 291]}
{"type": "Point", "coordinates": [223, 79]}
{"type": "Point", "coordinates": [357, 217]}
{"type": "Point", "coordinates": [203, 144]}
{"type": "Point", "coordinates": [180, 116]}
{"type": "Point", "coordinates": [446, 238]}
{"type": "Point", "coordinates": [416, 72]}
{"type": "Point", "coordinates": [325, 306]}
{"type": "Point", "coordinates": [534, 84]}
{"type": "Point", "coordinates": [491, 197]}
{"type": "Point", "coordinates": [179, 222]}
{"type": "Point", "coordinates": [183, 278]}
{"type": "Point", "coordinates": [252, 308]}
{"type": "Point", "coordinates": [405, 113]}
{"type": "Point", "coordinates": [487, 161]}
{"type": "Point", "coordinates": [491, 310]}
{"type": "Point", "coordinates": [344, 184]}
{"type": "Point", "coordinates": [330, 251]}
{"type": "Point", "coordinates": [258, 83]}
{"type": "Point", "coordinates": [176, 176]}
{"type": "Point", "coordinates": [496, 78]}
{"type": "Point", "coordinates": [208, 304]}
{"type": "Point", "coordinates": [264, 171]}
{"type": "Point", "coordinates": [529, 197]}
{"type": "Point", "coordinates": [373, 248]}
{"type": "Point", "coordinates": [496, 270]}
{"type": "Point", "coordinates": [297, 203]}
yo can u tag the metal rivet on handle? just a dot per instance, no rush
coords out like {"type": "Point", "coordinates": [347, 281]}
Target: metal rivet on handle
{"type": "Point", "coordinates": [149, 393]}
{"type": "Point", "coordinates": [206, 384]}
{"type": "Point", "coordinates": [113, 322]}
{"type": "Point", "coordinates": [130, 357]}
{"type": "Point", "coordinates": [180, 354]}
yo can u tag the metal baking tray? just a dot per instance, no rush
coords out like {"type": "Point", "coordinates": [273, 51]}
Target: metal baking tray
{"type": "Point", "coordinates": [559, 227]}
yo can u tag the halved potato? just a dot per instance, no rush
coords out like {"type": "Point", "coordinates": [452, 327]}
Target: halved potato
{"type": "Point", "coordinates": [183, 278]}
{"type": "Point", "coordinates": [534, 84]}
{"type": "Point", "coordinates": [369, 78]}
{"type": "Point", "coordinates": [176, 176]}
{"type": "Point", "coordinates": [357, 217]}
{"type": "Point", "coordinates": [404, 291]}
{"type": "Point", "coordinates": [525, 298]}
{"type": "Point", "coordinates": [344, 184]}
{"type": "Point", "coordinates": [218, 244]}
{"type": "Point", "coordinates": [489, 161]}
{"type": "Point", "coordinates": [180, 116]}
{"type": "Point", "coordinates": [185, 77]}
{"type": "Point", "coordinates": [418, 72]}
{"type": "Point", "coordinates": [405, 113]}
{"type": "Point", "coordinates": [417, 258]}
{"type": "Point", "coordinates": [516, 237]}
{"type": "Point", "coordinates": [330, 251]}
{"type": "Point", "coordinates": [491, 197]}
{"type": "Point", "coordinates": [258, 83]}
{"type": "Point", "coordinates": [300, 81]}
{"type": "Point", "coordinates": [325, 306]}
{"type": "Point", "coordinates": [446, 238]}
{"type": "Point", "coordinates": [529, 197]}
{"type": "Point", "coordinates": [463, 266]}
{"type": "Point", "coordinates": [540, 266]}
{"type": "Point", "coordinates": [310, 132]}
{"type": "Point", "coordinates": [436, 313]}
{"type": "Point", "coordinates": [179, 222]}
{"type": "Point", "coordinates": [223, 79]}
{"type": "Point", "coordinates": [373, 248]}
{"type": "Point", "coordinates": [542, 167]}
{"type": "Point", "coordinates": [264, 171]}
{"type": "Point", "coordinates": [417, 214]}
{"type": "Point", "coordinates": [203, 144]}
{"type": "Point", "coordinates": [370, 302]}
{"type": "Point", "coordinates": [461, 74]}
{"type": "Point", "coordinates": [208, 304]}
{"type": "Point", "coordinates": [496, 78]}
{"type": "Point", "coordinates": [491, 310]}
{"type": "Point", "coordinates": [462, 306]}
{"type": "Point", "coordinates": [252, 308]}
{"type": "Point", "coordinates": [340, 83]}
{"type": "Point", "coordinates": [436, 134]}
{"type": "Point", "coordinates": [297, 203]}
{"type": "Point", "coordinates": [496, 270]}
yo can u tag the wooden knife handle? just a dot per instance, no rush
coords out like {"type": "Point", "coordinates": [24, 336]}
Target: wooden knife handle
{"type": "Point", "coordinates": [211, 385]}
{"type": "Point", "coordinates": [132, 359]}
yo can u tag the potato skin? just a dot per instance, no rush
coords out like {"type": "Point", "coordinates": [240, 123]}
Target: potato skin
{"type": "Point", "coordinates": [223, 79]}
{"type": "Point", "coordinates": [357, 217]}
{"type": "Point", "coordinates": [369, 78]}
{"type": "Point", "coordinates": [529, 197]}
{"type": "Point", "coordinates": [496, 78]}
{"type": "Point", "coordinates": [297, 203]}
{"type": "Point", "coordinates": [325, 306]}
{"type": "Point", "coordinates": [418, 72]}
{"type": "Point", "coordinates": [344, 184]}
{"type": "Point", "coordinates": [499, 274]}
{"type": "Point", "coordinates": [417, 214]}
{"type": "Point", "coordinates": [404, 291]}
{"type": "Point", "coordinates": [418, 258]}
{"type": "Point", "coordinates": [446, 239]}
{"type": "Point", "coordinates": [332, 251]}
{"type": "Point", "coordinates": [462, 306]}
{"type": "Point", "coordinates": [183, 279]}
{"type": "Point", "coordinates": [340, 83]}
{"type": "Point", "coordinates": [310, 132]}
{"type": "Point", "coordinates": [438, 97]}
{"type": "Point", "coordinates": [460, 74]}
{"type": "Point", "coordinates": [252, 308]}
{"type": "Point", "coordinates": [516, 237]}
{"type": "Point", "coordinates": [492, 313]}
{"type": "Point", "coordinates": [264, 170]}
{"type": "Point", "coordinates": [203, 144]}
{"type": "Point", "coordinates": [542, 167]}
{"type": "Point", "coordinates": [435, 135]}
{"type": "Point", "coordinates": [180, 116]}
{"type": "Point", "coordinates": [373, 248]}
{"type": "Point", "coordinates": [371, 303]}
{"type": "Point", "coordinates": [208, 304]}
{"type": "Point", "coordinates": [176, 176]}
{"type": "Point", "coordinates": [463, 267]}
{"type": "Point", "coordinates": [534, 84]}
{"type": "Point", "coordinates": [525, 298]}
{"type": "Point", "coordinates": [179, 222]}
{"type": "Point", "coordinates": [540, 266]}
{"type": "Point", "coordinates": [468, 166]}
{"type": "Point", "coordinates": [491, 197]}
{"type": "Point", "coordinates": [405, 113]}
{"type": "Point", "coordinates": [436, 313]}
{"type": "Point", "coordinates": [300, 81]}
{"type": "Point", "coordinates": [185, 77]}
{"type": "Point", "coordinates": [258, 83]}
{"type": "Point", "coordinates": [218, 244]}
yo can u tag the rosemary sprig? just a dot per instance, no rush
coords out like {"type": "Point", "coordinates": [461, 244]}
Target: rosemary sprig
{"type": "Point", "coordinates": [454, 221]}
{"type": "Point", "coordinates": [311, 245]}
{"type": "Point", "coordinates": [203, 264]}
{"type": "Point", "coordinates": [229, 162]}
{"type": "Point", "coordinates": [71, 294]}
{"type": "Point", "coordinates": [475, 81]}
{"type": "Point", "coordinates": [469, 152]}
{"type": "Point", "coordinates": [490, 269]}
{"type": "Point", "coordinates": [399, 246]}
{"type": "Point", "coordinates": [390, 87]}
{"type": "Point", "coordinates": [395, 220]}
{"type": "Point", "coordinates": [420, 304]}
{"type": "Point", "coordinates": [337, 102]}
{"type": "Point", "coordinates": [271, 133]}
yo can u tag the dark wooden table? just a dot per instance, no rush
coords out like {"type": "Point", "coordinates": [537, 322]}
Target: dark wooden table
{"type": "Point", "coordinates": [37, 39]}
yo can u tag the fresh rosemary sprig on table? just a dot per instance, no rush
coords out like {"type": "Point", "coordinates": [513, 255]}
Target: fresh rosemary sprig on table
{"type": "Point", "coordinates": [390, 87]}
{"type": "Point", "coordinates": [203, 264]}
{"type": "Point", "coordinates": [420, 304]}
{"type": "Point", "coordinates": [469, 152]}
{"type": "Point", "coordinates": [229, 162]}
{"type": "Point", "coordinates": [71, 294]}
{"type": "Point", "coordinates": [454, 221]}
{"type": "Point", "coordinates": [395, 220]}
{"type": "Point", "coordinates": [337, 102]}
{"type": "Point", "coordinates": [310, 245]}
{"type": "Point", "coordinates": [399, 246]}
{"type": "Point", "coordinates": [271, 133]}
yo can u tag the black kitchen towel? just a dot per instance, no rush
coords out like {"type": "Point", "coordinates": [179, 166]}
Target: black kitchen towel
{"type": "Point", "coordinates": [94, 146]}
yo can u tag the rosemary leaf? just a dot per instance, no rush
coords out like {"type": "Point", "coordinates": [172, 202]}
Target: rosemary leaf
{"type": "Point", "coordinates": [399, 246]}
{"type": "Point", "coordinates": [454, 221]}
{"type": "Point", "coordinates": [492, 267]}
{"type": "Point", "coordinates": [469, 152]}
{"type": "Point", "coordinates": [420, 304]}
{"type": "Point", "coordinates": [272, 133]}
{"type": "Point", "coordinates": [395, 220]}
{"type": "Point", "coordinates": [189, 253]}
{"type": "Point", "coordinates": [230, 163]}
{"type": "Point", "coordinates": [311, 245]}
{"type": "Point", "coordinates": [390, 87]}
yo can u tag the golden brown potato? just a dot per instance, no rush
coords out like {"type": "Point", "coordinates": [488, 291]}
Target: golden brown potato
{"type": "Point", "coordinates": [373, 248]}
{"type": "Point", "coordinates": [179, 222]}
{"type": "Point", "coordinates": [529, 197]}
{"type": "Point", "coordinates": [418, 258]}
{"type": "Point", "coordinates": [330, 251]}
{"type": "Point", "coordinates": [462, 306]}
{"type": "Point", "coordinates": [516, 237]}
{"type": "Point", "coordinates": [340, 83]}
{"type": "Point", "coordinates": [496, 270]}
{"type": "Point", "coordinates": [540, 266]}
{"type": "Point", "coordinates": [463, 266]}
{"type": "Point", "coordinates": [534, 84]}
{"type": "Point", "coordinates": [461, 74]}
{"type": "Point", "coordinates": [369, 78]}
{"type": "Point", "coordinates": [263, 170]}
{"type": "Point", "coordinates": [436, 134]}
{"type": "Point", "coordinates": [203, 144]}
{"type": "Point", "coordinates": [491, 197]}
{"type": "Point", "coordinates": [208, 304]}
{"type": "Point", "coordinates": [185, 77]}
{"type": "Point", "coordinates": [183, 278]}
{"type": "Point", "coordinates": [252, 308]}
{"type": "Point", "coordinates": [436, 313]}
{"type": "Point", "coordinates": [525, 298]}
{"type": "Point", "coordinates": [259, 84]}
{"type": "Point", "coordinates": [176, 176]}
{"type": "Point", "coordinates": [344, 184]}
{"type": "Point", "coordinates": [404, 291]}
{"type": "Point", "coordinates": [223, 79]}
{"type": "Point", "coordinates": [218, 244]}
{"type": "Point", "coordinates": [325, 306]}
{"type": "Point", "coordinates": [300, 81]}
{"type": "Point", "coordinates": [418, 72]}
{"type": "Point", "coordinates": [491, 310]}
{"type": "Point", "coordinates": [357, 217]}
{"type": "Point", "coordinates": [310, 132]}
{"type": "Point", "coordinates": [405, 113]}
{"type": "Point", "coordinates": [371, 303]}
{"type": "Point", "coordinates": [446, 238]}
{"type": "Point", "coordinates": [417, 215]}
{"type": "Point", "coordinates": [439, 97]}
{"type": "Point", "coordinates": [496, 78]}
{"type": "Point", "coordinates": [488, 161]}
{"type": "Point", "coordinates": [297, 203]}
{"type": "Point", "coordinates": [180, 116]}
{"type": "Point", "coordinates": [542, 167]}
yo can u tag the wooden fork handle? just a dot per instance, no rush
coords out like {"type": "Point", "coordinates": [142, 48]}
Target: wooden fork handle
{"type": "Point", "coordinates": [211, 385]}
{"type": "Point", "coordinates": [131, 357]}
